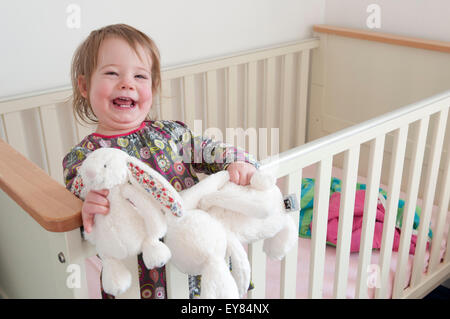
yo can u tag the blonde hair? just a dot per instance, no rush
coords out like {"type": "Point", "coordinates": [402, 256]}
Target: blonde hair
{"type": "Point", "coordinates": [85, 58]}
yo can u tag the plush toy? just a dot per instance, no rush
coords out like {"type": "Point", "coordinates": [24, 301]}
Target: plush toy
{"type": "Point", "coordinates": [251, 213]}
{"type": "Point", "coordinates": [135, 221]}
{"type": "Point", "coordinates": [138, 195]}
{"type": "Point", "coordinates": [199, 242]}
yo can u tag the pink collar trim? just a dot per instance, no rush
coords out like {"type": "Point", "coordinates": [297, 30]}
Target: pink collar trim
{"type": "Point", "coordinates": [119, 135]}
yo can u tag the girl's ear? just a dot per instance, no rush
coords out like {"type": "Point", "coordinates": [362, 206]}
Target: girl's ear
{"type": "Point", "coordinates": [154, 184]}
{"type": "Point", "coordinates": [82, 86]}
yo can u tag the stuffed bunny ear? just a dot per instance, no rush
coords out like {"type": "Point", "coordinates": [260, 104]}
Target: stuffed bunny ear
{"type": "Point", "coordinates": [78, 186]}
{"type": "Point", "coordinates": [156, 185]}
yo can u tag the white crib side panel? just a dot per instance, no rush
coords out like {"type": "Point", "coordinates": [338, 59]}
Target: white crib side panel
{"type": "Point", "coordinates": [410, 206]}
{"type": "Point", "coordinates": [429, 191]}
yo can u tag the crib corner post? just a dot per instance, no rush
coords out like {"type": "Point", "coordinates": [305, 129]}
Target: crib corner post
{"type": "Point", "coordinates": [78, 250]}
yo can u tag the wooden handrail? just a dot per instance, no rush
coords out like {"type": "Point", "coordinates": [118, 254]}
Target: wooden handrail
{"type": "Point", "coordinates": [48, 202]}
{"type": "Point", "coordinates": [442, 46]}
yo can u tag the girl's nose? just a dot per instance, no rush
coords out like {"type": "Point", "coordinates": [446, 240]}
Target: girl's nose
{"type": "Point", "coordinates": [127, 84]}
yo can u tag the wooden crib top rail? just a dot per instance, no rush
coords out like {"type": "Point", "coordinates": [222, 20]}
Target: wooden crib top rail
{"type": "Point", "coordinates": [418, 43]}
{"type": "Point", "coordinates": [48, 202]}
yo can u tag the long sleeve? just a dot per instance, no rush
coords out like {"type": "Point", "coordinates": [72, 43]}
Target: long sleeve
{"type": "Point", "coordinates": [71, 162]}
{"type": "Point", "coordinates": [209, 156]}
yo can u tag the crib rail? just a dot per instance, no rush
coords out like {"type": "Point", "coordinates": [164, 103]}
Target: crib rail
{"type": "Point", "coordinates": [349, 141]}
{"type": "Point", "coordinates": [47, 201]}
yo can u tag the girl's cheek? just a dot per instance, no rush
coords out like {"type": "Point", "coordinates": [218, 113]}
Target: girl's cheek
{"type": "Point", "coordinates": [146, 94]}
{"type": "Point", "coordinates": [103, 89]}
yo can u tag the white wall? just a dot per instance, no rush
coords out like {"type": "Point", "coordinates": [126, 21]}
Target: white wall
{"type": "Point", "coordinates": [37, 45]}
{"type": "Point", "coordinates": [417, 18]}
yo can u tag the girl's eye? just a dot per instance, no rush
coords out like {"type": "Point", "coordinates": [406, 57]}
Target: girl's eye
{"type": "Point", "coordinates": [140, 76]}
{"type": "Point", "coordinates": [111, 73]}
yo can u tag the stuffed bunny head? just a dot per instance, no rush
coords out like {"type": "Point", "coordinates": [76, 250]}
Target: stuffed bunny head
{"type": "Point", "coordinates": [105, 168]}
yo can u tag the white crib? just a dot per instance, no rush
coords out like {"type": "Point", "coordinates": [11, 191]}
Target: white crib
{"type": "Point", "coordinates": [259, 91]}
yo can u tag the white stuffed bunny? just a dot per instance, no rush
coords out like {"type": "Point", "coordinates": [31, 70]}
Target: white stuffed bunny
{"type": "Point", "coordinates": [197, 242]}
{"type": "Point", "coordinates": [135, 222]}
{"type": "Point", "coordinates": [250, 213]}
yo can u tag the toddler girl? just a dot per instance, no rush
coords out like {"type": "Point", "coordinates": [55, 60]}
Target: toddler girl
{"type": "Point", "coordinates": [115, 73]}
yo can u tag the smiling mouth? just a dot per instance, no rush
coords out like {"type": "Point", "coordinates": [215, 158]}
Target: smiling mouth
{"type": "Point", "coordinates": [124, 102]}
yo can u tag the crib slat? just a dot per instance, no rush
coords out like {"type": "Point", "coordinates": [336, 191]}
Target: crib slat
{"type": "Point", "coordinates": [440, 220]}
{"type": "Point", "coordinates": [211, 99]}
{"type": "Point", "coordinates": [14, 128]}
{"type": "Point", "coordinates": [232, 97]}
{"type": "Point", "coordinates": [319, 227]}
{"type": "Point", "coordinates": [287, 109]}
{"type": "Point", "coordinates": [271, 106]}
{"type": "Point", "coordinates": [303, 96]}
{"type": "Point", "coordinates": [393, 194]}
{"type": "Point", "coordinates": [410, 206]}
{"type": "Point", "coordinates": [370, 210]}
{"type": "Point", "coordinates": [177, 283]}
{"type": "Point", "coordinates": [166, 101]}
{"type": "Point", "coordinates": [257, 260]}
{"type": "Point", "coordinates": [430, 187]}
{"type": "Point", "coordinates": [288, 288]}
{"type": "Point", "coordinates": [351, 158]}
{"type": "Point", "coordinates": [54, 150]}
{"type": "Point", "coordinates": [189, 100]}
{"type": "Point", "coordinates": [252, 85]}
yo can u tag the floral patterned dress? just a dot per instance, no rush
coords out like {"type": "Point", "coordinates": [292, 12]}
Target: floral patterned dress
{"type": "Point", "coordinates": [170, 148]}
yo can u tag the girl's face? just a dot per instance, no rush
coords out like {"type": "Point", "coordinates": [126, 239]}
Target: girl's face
{"type": "Point", "coordinates": [121, 87]}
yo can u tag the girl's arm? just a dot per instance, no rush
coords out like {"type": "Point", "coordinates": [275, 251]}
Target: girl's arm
{"type": "Point", "coordinates": [209, 156]}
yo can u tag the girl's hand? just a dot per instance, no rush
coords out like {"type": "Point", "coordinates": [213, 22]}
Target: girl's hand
{"type": "Point", "coordinates": [94, 203]}
{"type": "Point", "coordinates": [241, 172]}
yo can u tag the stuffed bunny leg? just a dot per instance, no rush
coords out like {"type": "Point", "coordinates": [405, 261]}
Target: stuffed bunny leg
{"type": "Point", "coordinates": [116, 278]}
{"type": "Point", "coordinates": [278, 246]}
{"type": "Point", "coordinates": [214, 182]}
{"type": "Point", "coordinates": [232, 199]}
{"type": "Point", "coordinates": [240, 267]}
{"type": "Point", "coordinates": [217, 281]}
{"type": "Point", "coordinates": [154, 252]}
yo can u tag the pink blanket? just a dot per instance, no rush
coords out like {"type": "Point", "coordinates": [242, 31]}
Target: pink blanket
{"type": "Point", "coordinates": [333, 220]}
